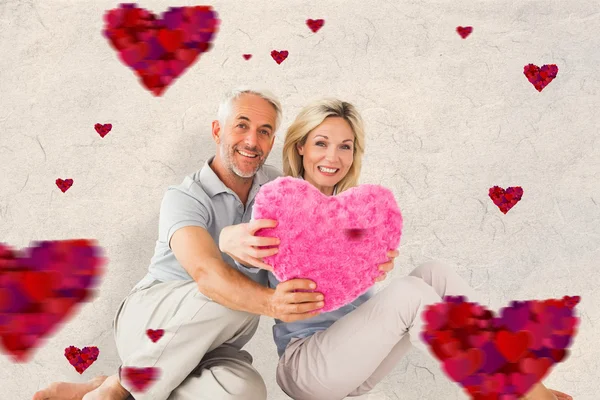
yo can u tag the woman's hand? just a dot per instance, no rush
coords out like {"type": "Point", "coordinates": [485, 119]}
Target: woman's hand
{"type": "Point", "coordinates": [388, 266]}
{"type": "Point", "coordinates": [239, 242]}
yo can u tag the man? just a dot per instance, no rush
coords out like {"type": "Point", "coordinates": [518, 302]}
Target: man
{"type": "Point", "coordinates": [208, 306]}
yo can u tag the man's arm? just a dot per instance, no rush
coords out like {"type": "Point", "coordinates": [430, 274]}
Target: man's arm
{"type": "Point", "coordinates": [197, 252]}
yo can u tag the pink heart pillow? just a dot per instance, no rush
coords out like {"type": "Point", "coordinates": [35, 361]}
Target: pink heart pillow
{"type": "Point", "coordinates": [336, 241]}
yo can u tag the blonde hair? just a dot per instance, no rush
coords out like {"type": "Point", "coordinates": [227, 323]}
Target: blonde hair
{"type": "Point", "coordinates": [308, 119]}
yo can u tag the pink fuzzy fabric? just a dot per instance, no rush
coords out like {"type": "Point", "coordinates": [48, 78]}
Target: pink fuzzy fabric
{"type": "Point", "coordinates": [336, 241]}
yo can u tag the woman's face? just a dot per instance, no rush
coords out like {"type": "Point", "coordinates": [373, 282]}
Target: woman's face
{"type": "Point", "coordinates": [330, 146]}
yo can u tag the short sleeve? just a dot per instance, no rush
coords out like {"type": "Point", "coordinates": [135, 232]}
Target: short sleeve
{"type": "Point", "coordinates": [177, 210]}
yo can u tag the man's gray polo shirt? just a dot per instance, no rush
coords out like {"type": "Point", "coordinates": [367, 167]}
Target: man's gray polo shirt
{"type": "Point", "coordinates": [202, 199]}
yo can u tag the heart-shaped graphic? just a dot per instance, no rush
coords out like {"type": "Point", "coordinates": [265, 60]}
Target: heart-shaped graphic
{"type": "Point", "coordinates": [314, 243]}
{"type": "Point", "coordinates": [540, 77]}
{"type": "Point", "coordinates": [155, 335]}
{"type": "Point", "coordinates": [81, 359]}
{"type": "Point", "coordinates": [247, 56]}
{"type": "Point", "coordinates": [505, 199]}
{"type": "Point", "coordinates": [315, 24]}
{"type": "Point", "coordinates": [496, 362]}
{"type": "Point", "coordinates": [65, 184]}
{"type": "Point", "coordinates": [279, 56]}
{"type": "Point", "coordinates": [40, 287]}
{"type": "Point", "coordinates": [464, 31]}
{"type": "Point", "coordinates": [140, 378]}
{"type": "Point", "coordinates": [159, 50]}
{"type": "Point", "coordinates": [103, 129]}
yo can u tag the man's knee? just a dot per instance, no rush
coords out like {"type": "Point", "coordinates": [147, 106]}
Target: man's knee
{"type": "Point", "coordinates": [241, 383]}
{"type": "Point", "coordinates": [428, 269]}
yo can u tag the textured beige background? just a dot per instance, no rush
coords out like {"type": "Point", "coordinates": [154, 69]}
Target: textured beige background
{"type": "Point", "coordinates": [446, 118]}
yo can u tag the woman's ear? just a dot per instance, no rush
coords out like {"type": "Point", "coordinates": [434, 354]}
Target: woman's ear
{"type": "Point", "coordinates": [300, 149]}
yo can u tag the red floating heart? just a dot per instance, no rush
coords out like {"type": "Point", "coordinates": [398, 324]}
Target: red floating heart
{"type": "Point", "coordinates": [505, 199]}
{"type": "Point", "coordinates": [64, 185]}
{"type": "Point", "coordinates": [40, 287]}
{"type": "Point", "coordinates": [140, 378]}
{"type": "Point", "coordinates": [247, 56]}
{"type": "Point", "coordinates": [315, 24]}
{"type": "Point", "coordinates": [159, 50]}
{"type": "Point", "coordinates": [464, 31]}
{"type": "Point", "coordinates": [155, 335]}
{"type": "Point", "coordinates": [103, 129]}
{"type": "Point", "coordinates": [540, 77]}
{"type": "Point", "coordinates": [499, 357]}
{"type": "Point", "coordinates": [279, 56]}
{"type": "Point", "coordinates": [81, 359]}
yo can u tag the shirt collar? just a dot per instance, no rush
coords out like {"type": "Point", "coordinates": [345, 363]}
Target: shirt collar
{"type": "Point", "coordinates": [213, 185]}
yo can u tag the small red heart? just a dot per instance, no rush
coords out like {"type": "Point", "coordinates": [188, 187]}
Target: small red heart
{"type": "Point", "coordinates": [540, 77]}
{"type": "Point", "coordinates": [155, 335]}
{"type": "Point", "coordinates": [315, 24]}
{"type": "Point", "coordinates": [103, 129]}
{"type": "Point", "coordinates": [464, 31]}
{"type": "Point", "coordinates": [512, 346]}
{"type": "Point", "coordinates": [505, 199]}
{"type": "Point", "coordinates": [140, 378]}
{"type": "Point", "coordinates": [279, 56]}
{"type": "Point", "coordinates": [247, 56]}
{"type": "Point", "coordinates": [64, 185]}
{"type": "Point", "coordinates": [81, 359]}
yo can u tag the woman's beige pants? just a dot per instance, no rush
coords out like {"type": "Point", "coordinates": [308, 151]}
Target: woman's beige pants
{"type": "Point", "coordinates": [360, 349]}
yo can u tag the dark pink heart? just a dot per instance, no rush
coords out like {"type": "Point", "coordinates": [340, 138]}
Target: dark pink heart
{"type": "Point", "coordinates": [103, 129]}
{"type": "Point", "coordinates": [81, 359]}
{"type": "Point", "coordinates": [505, 199]}
{"type": "Point", "coordinates": [279, 56]}
{"type": "Point", "coordinates": [315, 239]}
{"type": "Point", "coordinates": [247, 56]}
{"type": "Point", "coordinates": [155, 335]}
{"type": "Point", "coordinates": [464, 31]}
{"type": "Point", "coordinates": [140, 378]}
{"type": "Point", "coordinates": [540, 77]}
{"type": "Point", "coordinates": [64, 185]}
{"type": "Point", "coordinates": [315, 24]}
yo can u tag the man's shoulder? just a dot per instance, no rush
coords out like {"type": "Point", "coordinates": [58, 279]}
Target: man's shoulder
{"type": "Point", "coordinates": [189, 186]}
{"type": "Point", "coordinates": [271, 172]}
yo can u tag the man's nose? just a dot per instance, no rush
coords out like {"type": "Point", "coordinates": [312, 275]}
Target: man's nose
{"type": "Point", "coordinates": [251, 137]}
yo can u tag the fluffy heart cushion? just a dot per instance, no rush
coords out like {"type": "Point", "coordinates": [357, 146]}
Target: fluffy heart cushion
{"type": "Point", "coordinates": [336, 241]}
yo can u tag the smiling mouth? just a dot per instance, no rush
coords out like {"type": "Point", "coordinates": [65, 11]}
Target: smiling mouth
{"type": "Point", "coordinates": [247, 155]}
{"type": "Point", "coordinates": [328, 170]}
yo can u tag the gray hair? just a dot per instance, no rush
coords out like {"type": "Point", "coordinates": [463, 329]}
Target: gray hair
{"type": "Point", "coordinates": [226, 106]}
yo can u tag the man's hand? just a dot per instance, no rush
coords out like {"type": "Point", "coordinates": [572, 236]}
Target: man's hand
{"type": "Point", "coordinates": [388, 266]}
{"type": "Point", "coordinates": [290, 306]}
{"type": "Point", "coordinates": [239, 242]}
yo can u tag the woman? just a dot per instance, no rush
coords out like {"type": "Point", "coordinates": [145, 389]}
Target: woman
{"type": "Point", "coordinates": [346, 352]}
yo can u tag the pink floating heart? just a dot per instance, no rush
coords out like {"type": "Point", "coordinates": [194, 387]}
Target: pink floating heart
{"type": "Point", "coordinates": [140, 378]}
{"type": "Point", "coordinates": [540, 77]}
{"type": "Point", "coordinates": [315, 244]}
{"type": "Point", "coordinates": [315, 24]}
{"type": "Point", "coordinates": [155, 335]}
{"type": "Point", "coordinates": [464, 31]}
{"type": "Point", "coordinates": [64, 185]}
{"type": "Point", "coordinates": [279, 56]}
{"type": "Point", "coordinates": [247, 56]}
{"type": "Point", "coordinates": [81, 359]}
{"type": "Point", "coordinates": [103, 129]}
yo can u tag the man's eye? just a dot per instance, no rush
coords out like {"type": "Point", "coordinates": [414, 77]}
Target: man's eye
{"type": "Point", "coordinates": [242, 125]}
{"type": "Point", "coordinates": [266, 133]}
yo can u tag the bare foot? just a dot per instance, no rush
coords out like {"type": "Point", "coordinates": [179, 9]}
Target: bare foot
{"type": "Point", "coordinates": [110, 389]}
{"type": "Point", "coordinates": [67, 390]}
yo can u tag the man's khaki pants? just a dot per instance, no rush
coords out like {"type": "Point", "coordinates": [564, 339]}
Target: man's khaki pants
{"type": "Point", "coordinates": [355, 353]}
{"type": "Point", "coordinates": [199, 356]}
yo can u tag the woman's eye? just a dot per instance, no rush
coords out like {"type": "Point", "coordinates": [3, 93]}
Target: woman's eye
{"type": "Point", "coordinates": [320, 143]}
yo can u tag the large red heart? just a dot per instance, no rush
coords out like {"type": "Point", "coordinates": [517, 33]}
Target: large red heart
{"type": "Point", "coordinates": [160, 49]}
{"type": "Point", "coordinates": [41, 287]}
{"type": "Point", "coordinates": [499, 357]}
{"type": "Point", "coordinates": [336, 241]}
{"type": "Point", "coordinates": [540, 77]}
{"type": "Point", "coordinates": [81, 359]}
{"type": "Point", "coordinates": [505, 199]}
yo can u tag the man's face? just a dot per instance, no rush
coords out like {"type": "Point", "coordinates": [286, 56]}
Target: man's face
{"type": "Point", "coordinates": [248, 135]}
